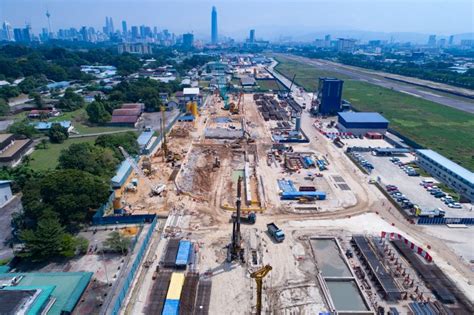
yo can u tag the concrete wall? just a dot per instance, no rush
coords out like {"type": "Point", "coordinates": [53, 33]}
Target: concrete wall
{"type": "Point", "coordinates": [5, 194]}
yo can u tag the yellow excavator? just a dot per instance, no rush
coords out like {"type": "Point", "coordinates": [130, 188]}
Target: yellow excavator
{"type": "Point", "coordinates": [258, 276]}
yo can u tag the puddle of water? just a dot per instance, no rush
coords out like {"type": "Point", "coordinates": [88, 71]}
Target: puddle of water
{"type": "Point", "coordinates": [329, 258]}
{"type": "Point", "coordinates": [346, 295]}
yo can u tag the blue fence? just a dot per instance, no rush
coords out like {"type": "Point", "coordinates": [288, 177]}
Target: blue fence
{"type": "Point", "coordinates": [122, 292]}
{"type": "Point", "coordinates": [466, 221]}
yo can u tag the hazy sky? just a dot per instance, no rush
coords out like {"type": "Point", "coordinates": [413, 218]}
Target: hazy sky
{"type": "Point", "coordinates": [235, 18]}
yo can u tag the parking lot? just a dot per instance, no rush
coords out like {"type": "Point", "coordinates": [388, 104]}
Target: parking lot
{"type": "Point", "coordinates": [390, 173]}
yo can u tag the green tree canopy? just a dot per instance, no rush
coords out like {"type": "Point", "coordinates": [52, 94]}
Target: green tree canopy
{"type": "Point", "coordinates": [4, 108]}
{"type": "Point", "coordinates": [89, 158]}
{"type": "Point", "coordinates": [116, 242]}
{"type": "Point", "coordinates": [57, 133]}
{"type": "Point", "coordinates": [97, 112]}
{"type": "Point", "coordinates": [127, 140]}
{"type": "Point", "coordinates": [71, 194]}
{"type": "Point", "coordinates": [22, 128]}
{"type": "Point", "coordinates": [71, 101]}
{"type": "Point", "coordinates": [48, 240]}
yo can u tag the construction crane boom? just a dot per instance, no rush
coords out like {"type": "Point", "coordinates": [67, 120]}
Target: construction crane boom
{"type": "Point", "coordinates": [258, 276]}
{"type": "Point", "coordinates": [155, 189]}
{"type": "Point", "coordinates": [291, 85]}
{"type": "Point", "coordinates": [235, 250]}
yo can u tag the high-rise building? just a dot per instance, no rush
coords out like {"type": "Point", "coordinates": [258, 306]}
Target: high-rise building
{"type": "Point", "coordinates": [7, 32]}
{"type": "Point", "coordinates": [442, 42]}
{"type": "Point", "coordinates": [135, 34]}
{"type": "Point", "coordinates": [451, 40]}
{"type": "Point", "coordinates": [345, 45]}
{"type": "Point", "coordinates": [124, 28]}
{"type": "Point", "coordinates": [22, 34]}
{"type": "Point", "coordinates": [252, 36]}
{"type": "Point", "coordinates": [327, 38]}
{"type": "Point", "coordinates": [111, 26]}
{"type": "Point", "coordinates": [214, 26]}
{"type": "Point", "coordinates": [330, 96]}
{"type": "Point", "coordinates": [188, 40]}
{"type": "Point", "coordinates": [432, 40]}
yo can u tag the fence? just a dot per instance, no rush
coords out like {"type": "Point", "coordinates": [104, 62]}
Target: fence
{"type": "Point", "coordinates": [466, 221]}
{"type": "Point", "coordinates": [122, 288]}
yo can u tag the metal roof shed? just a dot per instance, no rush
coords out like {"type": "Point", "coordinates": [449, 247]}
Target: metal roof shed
{"type": "Point", "coordinates": [184, 250]}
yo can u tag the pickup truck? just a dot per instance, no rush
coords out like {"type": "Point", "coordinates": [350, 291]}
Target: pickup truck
{"type": "Point", "coordinates": [275, 232]}
{"type": "Point", "coordinates": [434, 213]}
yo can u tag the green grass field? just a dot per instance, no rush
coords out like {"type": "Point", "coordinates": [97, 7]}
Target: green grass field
{"type": "Point", "coordinates": [446, 130]}
{"type": "Point", "coordinates": [43, 159]}
{"type": "Point", "coordinates": [267, 85]}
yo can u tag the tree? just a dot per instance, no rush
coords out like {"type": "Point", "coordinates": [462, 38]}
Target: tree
{"type": "Point", "coordinates": [57, 133]}
{"type": "Point", "coordinates": [43, 144]}
{"type": "Point", "coordinates": [116, 242]}
{"type": "Point", "coordinates": [97, 113]}
{"type": "Point", "coordinates": [22, 128]}
{"type": "Point", "coordinates": [127, 140]}
{"type": "Point", "coordinates": [70, 194]}
{"type": "Point", "coordinates": [37, 99]}
{"type": "Point", "coordinates": [4, 108]}
{"type": "Point", "coordinates": [71, 101]}
{"type": "Point", "coordinates": [46, 241]}
{"type": "Point", "coordinates": [89, 158]}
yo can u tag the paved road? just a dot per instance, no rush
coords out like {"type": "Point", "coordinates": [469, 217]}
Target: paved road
{"type": "Point", "coordinates": [464, 105]}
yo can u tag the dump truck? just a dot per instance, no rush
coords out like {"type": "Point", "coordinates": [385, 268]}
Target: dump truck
{"type": "Point", "coordinates": [275, 232]}
{"type": "Point", "coordinates": [249, 218]}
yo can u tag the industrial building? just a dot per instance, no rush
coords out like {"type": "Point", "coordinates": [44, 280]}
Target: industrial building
{"type": "Point", "coordinates": [12, 150]}
{"type": "Point", "coordinates": [360, 124]}
{"type": "Point", "coordinates": [42, 293]}
{"type": "Point", "coordinates": [330, 96]}
{"type": "Point", "coordinates": [450, 173]}
{"type": "Point", "coordinates": [127, 115]}
{"type": "Point", "coordinates": [148, 142]}
{"type": "Point", "coordinates": [123, 172]}
{"type": "Point", "coordinates": [190, 95]}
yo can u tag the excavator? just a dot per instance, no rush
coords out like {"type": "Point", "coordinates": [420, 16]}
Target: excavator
{"type": "Point", "coordinates": [258, 276]}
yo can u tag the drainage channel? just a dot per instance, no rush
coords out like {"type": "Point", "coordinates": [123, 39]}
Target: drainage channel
{"type": "Point", "coordinates": [337, 280]}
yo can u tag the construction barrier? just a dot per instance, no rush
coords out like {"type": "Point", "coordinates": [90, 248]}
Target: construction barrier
{"type": "Point", "coordinates": [426, 220]}
{"type": "Point", "coordinates": [121, 290]}
{"type": "Point", "coordinates": [409, 244]}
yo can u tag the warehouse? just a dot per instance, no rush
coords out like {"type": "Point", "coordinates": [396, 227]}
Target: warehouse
{"type": "Point", "coordinates": [147, 141]}
{"type": "Point", "coordinates": [450, 173]}
{"type": "Point", "coordinates": [360, 124]}
{"type": "Point", "coordinates": [12, 150]}
{"type": "Point", "coordinates": [123, 172]}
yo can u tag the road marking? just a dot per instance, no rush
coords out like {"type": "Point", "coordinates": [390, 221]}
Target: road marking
{"type": "Point", "coordinates": [412, 94]}
{"type": "Point", "coordinates": [429, 93]}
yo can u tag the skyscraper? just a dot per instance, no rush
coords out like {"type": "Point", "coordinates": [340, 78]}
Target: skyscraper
{"type": "Point", "coordinates": [188, 40]}
{"type": "Point", "coordinates": [432, 40]}
{"type": "Point", "coordinates": [252, 36]}
{"type": "Point", "coordinates": [111, 26]}
{"type": "Point", "coordinates": [124, 28]}
{"type": "Point", "coordinates": [7, 31]}
{"type": "Point", "coordinates": [214, 26]}
{"type": "Point", "coordinates": [451, 40]}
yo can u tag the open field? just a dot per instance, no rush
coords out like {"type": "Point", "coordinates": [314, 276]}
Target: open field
{"type": "Point", "coordinates": [273, 85]}
{"type": "Point", "coordinates": [43, 159]}
{"type": "Point", "coordinates": [438, 127]}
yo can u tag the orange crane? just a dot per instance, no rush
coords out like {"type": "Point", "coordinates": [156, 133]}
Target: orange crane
{"type": "Point", "coordinates": [258, 276]}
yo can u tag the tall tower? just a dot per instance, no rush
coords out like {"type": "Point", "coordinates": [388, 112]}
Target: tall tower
{"type": "Point", "coordinates": [48, 15]}
{"type": "Point", "coordinates": [214, 26]}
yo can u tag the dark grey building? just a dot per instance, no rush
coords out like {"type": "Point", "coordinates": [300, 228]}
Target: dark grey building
{"type": "Point", "coordinates": [252, 36]}
{"type": "Point", "coordinates": [188, 40]}
{"type": "Point", "coordinates": [330, 96]}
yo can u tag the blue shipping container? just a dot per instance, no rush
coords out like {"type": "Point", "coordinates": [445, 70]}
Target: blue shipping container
{"type": "Point", "coordinates": [171, 307]}
{"type": "Point", "coordinates": [319, 195]}
{"type": "Point", "coordinates": [183, 253]}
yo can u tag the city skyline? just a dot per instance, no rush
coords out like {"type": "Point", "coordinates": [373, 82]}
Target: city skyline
{"type": "Point", "coordinates": [236, 22]}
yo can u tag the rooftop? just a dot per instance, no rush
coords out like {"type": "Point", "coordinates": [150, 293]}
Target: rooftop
{"type": "Point", "coordinates": [450, 165]}
{"type": "Point", "coordinates": [126, 112]}
{"type": "Point", "coordinates": [190, 91]}
{"type": "Point", "coordinates": [361, 117]}
{"type": "Point", "coordinates": [144, 138]}
{"type": "Point", "coordinates": [124, 119]}
{"type": "Point", "coordinates": [45, 125]}
{"type": "Point", "coordinates": [13, 149]}
{"type": "Point", "coordinates": [5, 136]}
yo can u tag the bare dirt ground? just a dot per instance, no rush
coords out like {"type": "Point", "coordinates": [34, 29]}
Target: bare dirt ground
{"type": "Point", "coordinates": [291, 287]}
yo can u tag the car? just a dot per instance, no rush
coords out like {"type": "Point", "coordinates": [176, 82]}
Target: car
{"type": "Point", "coordinates": [447, 198]}
{"type": "Point", "coordinates": [455, 205]}
{"type": "Point", "coordinates": [439, 195]}
{"type": "Point", "coordinates": [413, 174]}
{"type": "Point", "coordinates": [391, 187]}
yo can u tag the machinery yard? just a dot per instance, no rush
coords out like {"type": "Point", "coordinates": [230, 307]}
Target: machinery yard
{"type": "Point", "coordinates": [342, 248]}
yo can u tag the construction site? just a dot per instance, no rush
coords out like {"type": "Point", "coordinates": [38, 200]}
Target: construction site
{"type": "Point", "coordinates": [265, 215]}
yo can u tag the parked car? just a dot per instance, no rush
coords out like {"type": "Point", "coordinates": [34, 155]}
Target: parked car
{"type": "Point", "coordinates": [455, 205]}
{"type": "Point", "coordinates": [439, 195]}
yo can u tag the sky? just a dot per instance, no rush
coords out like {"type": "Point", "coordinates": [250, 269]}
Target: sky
{"type": "Point", "coordinates": [270, 18]}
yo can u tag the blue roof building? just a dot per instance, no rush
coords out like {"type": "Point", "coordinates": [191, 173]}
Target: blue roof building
{"type": "Point", "coordinates": [123, 172]}
{"type": "Point", "coordinates": [58, 85]}
{"type": "Point", "coordinates": [450, 173]}
{"type": "Point", "coordinates": [46, 125]}
{"type": "Point", "coordinates": [359, 123]}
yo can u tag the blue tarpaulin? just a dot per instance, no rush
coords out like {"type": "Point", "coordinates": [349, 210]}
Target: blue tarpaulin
{"type": "Point", "coordinates": [292, 195]}
{"type": "Point", "coordinates": [183, 253]}
{"type": "Point", "coordinates": [171, 307]}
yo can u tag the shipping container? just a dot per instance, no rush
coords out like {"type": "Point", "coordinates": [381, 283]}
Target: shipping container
{"type": "Point", "coordinates": [182, 257]}
{"type": "Point", "coordinates": [176, 285]}
{"type": "Point", "coordinates": [171, 307]}
{"type": "Point", "coordinates": [293, 195]}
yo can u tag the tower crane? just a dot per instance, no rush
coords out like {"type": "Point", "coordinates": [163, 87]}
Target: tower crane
{"type": "Point", "coordinates": [155, 189]}
{"type": "Point", "coordinates": [164, 145]}
{"type": "Point", "coordinates": [258, 276]}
